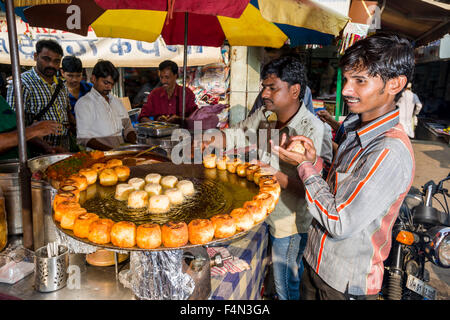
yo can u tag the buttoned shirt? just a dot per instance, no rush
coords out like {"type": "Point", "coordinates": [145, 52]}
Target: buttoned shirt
{"type": "Point", "coordinates": [355, 208]}
{"type": "Point", "coordinates": [36, 95]}
{"type": "Point", "coordinates": [158, 103]}
{"type": "Point", "coordinates": [291, 214]}
{"type": "Point", "coordinates": [105, 121]}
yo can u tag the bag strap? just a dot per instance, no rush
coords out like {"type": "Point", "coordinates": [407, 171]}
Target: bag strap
{"type": "Point", "coordinates": [50, 103]}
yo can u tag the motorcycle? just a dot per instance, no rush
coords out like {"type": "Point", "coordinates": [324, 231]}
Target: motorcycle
{"type": "Point", "coordinates": [421, 233]}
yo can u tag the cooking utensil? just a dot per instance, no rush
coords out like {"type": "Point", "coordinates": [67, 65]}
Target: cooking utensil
{"type": "Point", "coordinates": [147, 150]}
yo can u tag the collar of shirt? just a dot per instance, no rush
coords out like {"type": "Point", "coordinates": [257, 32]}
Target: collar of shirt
{"type": "Point", "coordinates": [37, 75]}
{"type": "Point", "coordinates": [373, 129]}
{"type": "Point", "coordinates": [97, 95]}
{"type": "Point", "coordinates": [295, 121]}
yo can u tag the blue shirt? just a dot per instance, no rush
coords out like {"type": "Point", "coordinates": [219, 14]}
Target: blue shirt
{"type": "Point", "coordinates": [85, 87]}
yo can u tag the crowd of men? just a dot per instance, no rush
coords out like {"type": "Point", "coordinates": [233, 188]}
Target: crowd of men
{"type": "Point", "coordinates": [78, 114]}
{"type": "Point", "coordinates": [331, 229]}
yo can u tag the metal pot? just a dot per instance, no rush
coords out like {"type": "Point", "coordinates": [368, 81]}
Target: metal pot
{"type": "Point", "coordinates": [41, 193]}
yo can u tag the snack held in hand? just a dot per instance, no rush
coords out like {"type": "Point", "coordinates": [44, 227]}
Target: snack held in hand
{"type": "Point", "coordinates": [297, 147]}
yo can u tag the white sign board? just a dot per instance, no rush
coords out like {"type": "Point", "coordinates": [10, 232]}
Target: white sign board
{"type": "Point", "coordinates": [121, 52]}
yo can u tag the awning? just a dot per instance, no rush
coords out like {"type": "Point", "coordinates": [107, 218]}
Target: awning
{"type": "Point", "coordinates": [422, 21]}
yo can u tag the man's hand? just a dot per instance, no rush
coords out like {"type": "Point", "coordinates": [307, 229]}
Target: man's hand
{"type": "Point", "coordinates": [44, 128]}
{"type": "Point", "coordinates": [144, 119]}
{"type": "Point", "coordinates": [173, 119]}
{"type": "Point", "coordinates": [58, 149]}
{"type": "Point", "coordinates": [286, 154]}
{"type": "Point", "coordinates": [326, 117]}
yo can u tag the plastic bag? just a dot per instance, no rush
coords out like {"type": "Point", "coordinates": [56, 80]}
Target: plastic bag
{"type": "Point", "coordinates": [208, 115]}
{"type": "Point", "coordinates": [15, 264]}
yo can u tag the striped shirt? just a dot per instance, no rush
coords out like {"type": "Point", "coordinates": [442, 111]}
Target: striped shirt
{"type": "Point", "coordinates": [355, 208]}
{"type": "Point", "coordinates": [36, 94]}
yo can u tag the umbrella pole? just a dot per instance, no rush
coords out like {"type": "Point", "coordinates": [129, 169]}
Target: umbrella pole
{"type": "Point", "coordinates": [186, 17]}
{"type": "Point", "coordinates": [24, 171]}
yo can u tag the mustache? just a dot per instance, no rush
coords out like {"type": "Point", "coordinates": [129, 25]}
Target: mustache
{"type": "Point", "coordinates": [349, 98]}
{"type": "Point", "coordinates": [50, 68]}
{"type": "Point", "coordinates": [265, 100]}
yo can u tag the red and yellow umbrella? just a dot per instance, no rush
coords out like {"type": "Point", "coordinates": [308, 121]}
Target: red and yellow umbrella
{"type": "Point", "coordinates": [267, 23]}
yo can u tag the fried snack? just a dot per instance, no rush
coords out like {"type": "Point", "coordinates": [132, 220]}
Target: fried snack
{"type": "Point", "coordinates": [123, 191]}
{"type": "Point", "coordinates": [201, 231]}
{"type": "Point", "coordinates": [123, 172]}
{"type": "Point", "coordinates": [263, 172]}
{"type": "Point", "coordinates": [224, 226]}
{"type": "Point", "coordinates": [148, 236]}
{"type": "Point", "coordinates": [138, 199]}
{"type": "Point", "coordinates": [108, 177]}
{"type": "Point", "coordinates": [175, 195]}
{"type": "Point", "coordinates": [272, 190]}
{"type": "Point", "coordinates": [221, 162]}
{"type": "Point", "coordinates": [174, 234]}
{"type": "Point", "coordinates": [123, 234]}
{"type": "Point", "coordinates": [297, 147]}
{"type": "Point", "coordinates": [169, 182]}
{"type": "Point", "coordinates": [99, 166]}
{"type": "Point", "coordinates": [209, 161]}
{"type": "Point", "coordinates": [258, 212]}
{"type": "Point", "coordinates": [186, 187]}
{"type": "Point", "coordinates": [242, 218]}
{"type": "Point", "coordinates": [270, 183]}
{"type": "Point", "coordinates": [64, 207]}
{"type": "Point", "coordinates": [80, 180]}
{"type": "Point", "coordinates": [90, 174]}
{"type": "Point", "coordinates": [232, 165]}
{"type": "Point", "coordinates": [137, 183]}
{"type": "Point", "coordinates": [251, 170]}
{"type": "Point", "coordinates": [68, 218]}
{"type": "Point", "coordinates": [82, 224]}
{"type": "Point", "coordinates": [64, 196]}
{"type": "Point", "coordinates": [266, 200]}
{"type": "Point", "coordinates": [153, 178]}
{"type": "Point", "coordinates": [159, 204]}
{"type": "Point", "coordinates": [113, 163]}
{"type": "Point", "coordinates": [97, 154]}
{"type": "Point", "coordinates": [241, 169]}
{"type": "Point", "coordinates": [70, 188]}
{"type": "Point", "coordinates": [153, 189]}
{"type": "Point", "coordinates": [100, 231]}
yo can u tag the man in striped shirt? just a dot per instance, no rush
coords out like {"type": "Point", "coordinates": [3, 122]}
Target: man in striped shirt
{"type": "Point", "coordinates": [39, 84]}
{"type": "Point", "coordinates": [355, 208]}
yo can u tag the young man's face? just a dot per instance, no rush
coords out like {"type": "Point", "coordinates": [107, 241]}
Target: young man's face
{"type": "Point", "coordinates": [73, 79]}
{"type": "Point", "coordinates": [366, 95]}
{"type": "Point", "coordinates": [103, 85]}
{"type": "Point", "coordinates": [168, 79]}
{"type": "Point", "coordinates": [278, 95]}
{"type": "Point", "coordinates": [47, 62]}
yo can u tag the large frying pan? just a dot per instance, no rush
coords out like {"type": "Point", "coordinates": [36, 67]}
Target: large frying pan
{"type": "Point", "coordinates": [217, 191]}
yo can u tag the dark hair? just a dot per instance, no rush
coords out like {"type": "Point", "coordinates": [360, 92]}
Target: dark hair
{"type": "Point", "coordinates": [385, 55]}
{"type": "Point", "coordinates": [169, 64]}
{"type": "Point", "coordinates": [72, 64]}
{"type": "Point", "coordinates": [289, 69]}
{"type": "Point", "coordinates": [49, 44]}
{"type": "Point", "coordinates": [105, 68]}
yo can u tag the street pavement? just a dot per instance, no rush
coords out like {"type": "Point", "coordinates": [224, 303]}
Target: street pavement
{"type": "Point", "coordinates": [433, 163]}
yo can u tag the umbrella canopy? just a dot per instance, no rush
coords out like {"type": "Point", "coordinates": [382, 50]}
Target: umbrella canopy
{"type": "Point", "coordinates": [242, 22]}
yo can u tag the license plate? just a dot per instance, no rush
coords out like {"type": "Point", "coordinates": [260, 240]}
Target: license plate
{"type": "Point", "coordinates": [419, 287]}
